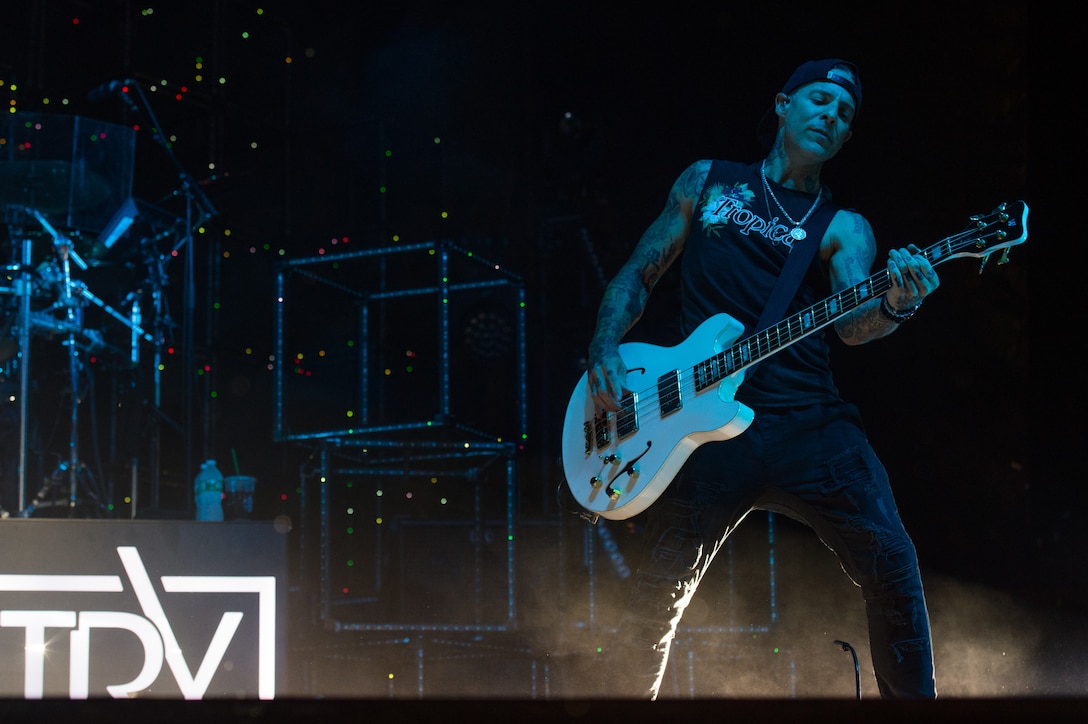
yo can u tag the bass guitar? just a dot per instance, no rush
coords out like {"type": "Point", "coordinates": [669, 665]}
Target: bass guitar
{"type": "Point", "coordinates": [617, 464]}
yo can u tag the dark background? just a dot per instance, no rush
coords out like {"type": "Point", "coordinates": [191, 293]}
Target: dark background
{"type": "Point", "coordinates": [561, 127]}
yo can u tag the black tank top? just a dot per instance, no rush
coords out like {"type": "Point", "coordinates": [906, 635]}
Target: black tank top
{"type": "Point", "coordinates": [738, 244]}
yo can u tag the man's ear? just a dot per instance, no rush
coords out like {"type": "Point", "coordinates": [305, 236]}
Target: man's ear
{"type": "Point", "coordinates": [781, 102]}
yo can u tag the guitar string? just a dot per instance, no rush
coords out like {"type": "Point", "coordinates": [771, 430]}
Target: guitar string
{"type": "Point", "coordinates": [877, 284]}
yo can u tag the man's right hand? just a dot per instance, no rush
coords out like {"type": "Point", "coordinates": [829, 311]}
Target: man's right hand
{"type": "Point", "coordinates": [607, 378]}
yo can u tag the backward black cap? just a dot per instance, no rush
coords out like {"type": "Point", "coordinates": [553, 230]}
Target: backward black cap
{"type": "Point", "coordinates": [833, 70]}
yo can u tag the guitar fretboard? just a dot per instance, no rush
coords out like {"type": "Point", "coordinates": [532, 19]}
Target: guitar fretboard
{"type": "Point", "coordinates": [762, 344]}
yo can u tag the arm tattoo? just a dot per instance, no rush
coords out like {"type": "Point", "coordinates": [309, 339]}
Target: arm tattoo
{"type": "Point", "coordinates": [626, 296]}
{"type": "Point", "coordinates": [865, 322]}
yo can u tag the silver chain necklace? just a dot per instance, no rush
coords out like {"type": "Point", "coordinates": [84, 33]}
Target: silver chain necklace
{"type": "Point", "coordinates": [796, 232]}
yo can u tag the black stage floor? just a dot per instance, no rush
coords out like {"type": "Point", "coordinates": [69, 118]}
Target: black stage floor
{"type": "Point", "coordinates": [747, 710]}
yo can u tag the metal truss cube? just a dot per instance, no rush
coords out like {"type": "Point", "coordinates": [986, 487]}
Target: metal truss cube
{"type": "Point", "coordinates": [421, 341]}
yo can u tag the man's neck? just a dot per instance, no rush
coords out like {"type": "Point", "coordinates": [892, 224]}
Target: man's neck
{"type": "Point", "coordinates": [791, 174]}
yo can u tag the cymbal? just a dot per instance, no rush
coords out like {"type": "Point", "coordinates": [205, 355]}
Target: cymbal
{"type": "Point", "coordinates": [48, 186]}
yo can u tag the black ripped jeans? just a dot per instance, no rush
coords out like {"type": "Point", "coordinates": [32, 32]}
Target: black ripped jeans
{"type": "Point", "coordinates": [817, 466]}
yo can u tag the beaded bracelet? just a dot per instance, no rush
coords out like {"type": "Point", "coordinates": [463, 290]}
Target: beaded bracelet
{"type": "Point", "coordinates": [893, 316]}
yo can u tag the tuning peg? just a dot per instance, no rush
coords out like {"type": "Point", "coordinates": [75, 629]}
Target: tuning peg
{"type": "Point", "coordinates": [982, 266]}
{"type": "Point", "coordinates": [1004, 257]}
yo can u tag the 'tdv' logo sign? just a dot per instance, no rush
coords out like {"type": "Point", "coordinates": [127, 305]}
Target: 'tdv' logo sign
{"type": "Point", "coordinates": [152, 628]}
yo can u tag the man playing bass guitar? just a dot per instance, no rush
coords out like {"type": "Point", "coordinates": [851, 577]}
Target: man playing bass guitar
{"type": "Point", "coordinates": [805, 453]}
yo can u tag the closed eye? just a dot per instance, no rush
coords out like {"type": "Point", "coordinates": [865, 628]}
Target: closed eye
{"type": "Point", "coordinates": [845, 110]}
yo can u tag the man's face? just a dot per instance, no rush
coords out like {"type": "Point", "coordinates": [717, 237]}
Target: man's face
{"type": "Point", "coordinates": [817, 118]}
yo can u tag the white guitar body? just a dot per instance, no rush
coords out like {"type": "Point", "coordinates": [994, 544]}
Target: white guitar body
{"type": "Point", "coordinates": [619, 475]}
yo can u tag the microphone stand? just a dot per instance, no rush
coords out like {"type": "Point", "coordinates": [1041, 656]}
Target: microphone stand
{"type": "Point", "coordinates": [857, 670]}
{"type": "Point", "coordinates": [195, 201]}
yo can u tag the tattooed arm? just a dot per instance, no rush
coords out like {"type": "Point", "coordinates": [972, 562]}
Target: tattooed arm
{"type": "Point", "coordinates": [626, 296]}
{"type": "Point", "coordinates": [851, 253]}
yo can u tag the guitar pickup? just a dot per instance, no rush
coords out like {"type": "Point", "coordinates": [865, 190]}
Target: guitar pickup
{"type": "Point", "coordinates": [627, 417]}
{"type": "Point", "coordinates": [668, 392]}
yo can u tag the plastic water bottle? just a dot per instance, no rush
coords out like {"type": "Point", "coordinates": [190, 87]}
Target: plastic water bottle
{"type": "Point", "coordinates": [208, 492]}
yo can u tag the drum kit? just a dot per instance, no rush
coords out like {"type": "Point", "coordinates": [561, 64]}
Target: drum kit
{"type": "Point", "coordinates": [66, 193]}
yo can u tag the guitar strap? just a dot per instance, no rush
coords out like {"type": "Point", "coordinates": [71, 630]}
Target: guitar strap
{"type": "Point", "coordinates": [797, 263]}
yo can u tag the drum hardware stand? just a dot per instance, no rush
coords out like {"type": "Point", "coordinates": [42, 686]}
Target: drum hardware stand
{"type": "Point", "coordinates": [72, 292]}
{"type": "Point", "coordinates": [24, 290]}
{"type": "Point", "coordinates": [74, 319]}
{"type": "Point", "coordinates": [154, 263]}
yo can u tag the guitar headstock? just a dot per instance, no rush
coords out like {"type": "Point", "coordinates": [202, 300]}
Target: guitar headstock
{"type": "Point", "coordinates": [1000, 230]}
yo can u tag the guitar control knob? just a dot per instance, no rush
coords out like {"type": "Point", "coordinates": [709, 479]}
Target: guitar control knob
{"type": "Point", "coordinates": [596, 482]}
{"type": "Point", "coordinates": [613, 493]}
{"type": "Point", "coordinates": [611, 458]}
{"type": "Point", "coordinates": [632, 471]}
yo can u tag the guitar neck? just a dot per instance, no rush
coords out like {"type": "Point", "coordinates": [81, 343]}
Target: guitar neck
{"type": "Point", "coordinates": [974, 242]}
{"type": "Point", "coordinates": [757, 347]}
